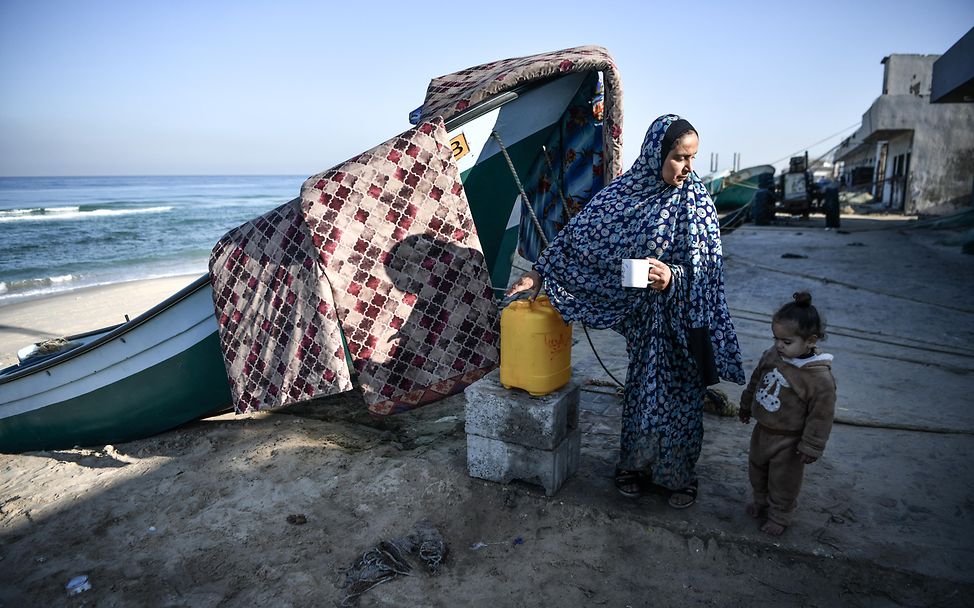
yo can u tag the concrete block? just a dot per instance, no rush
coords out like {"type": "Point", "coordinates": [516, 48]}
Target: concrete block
{"type": "Point", "coordinates": [514, 416]}
{"type": "Point", "coordinates": [502, 462]}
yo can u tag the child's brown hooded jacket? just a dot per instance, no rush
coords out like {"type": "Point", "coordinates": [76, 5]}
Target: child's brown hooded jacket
{"type": "Point", "coordinates": [793, 396]}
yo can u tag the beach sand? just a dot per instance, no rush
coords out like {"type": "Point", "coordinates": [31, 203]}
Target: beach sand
{"type": "Point", "coordinates": [271, 509]}
{"type": "Point", "coordinates": [33, 320]}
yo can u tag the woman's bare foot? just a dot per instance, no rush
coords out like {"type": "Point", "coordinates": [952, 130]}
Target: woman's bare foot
{"type": "Point", "coordinates": [772, 528]}
{"type": "Point", "coordinates": [754, 510]}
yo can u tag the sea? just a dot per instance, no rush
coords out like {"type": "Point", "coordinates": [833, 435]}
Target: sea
{"type": "Point", "coordinates": [64, 233]}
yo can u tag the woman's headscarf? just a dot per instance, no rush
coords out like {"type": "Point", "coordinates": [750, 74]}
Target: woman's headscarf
{"type": "Point", "coordinates": [639, 215]}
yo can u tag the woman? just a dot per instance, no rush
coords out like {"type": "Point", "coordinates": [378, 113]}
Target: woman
{"type": "Point", "coordinates": [657, 210]}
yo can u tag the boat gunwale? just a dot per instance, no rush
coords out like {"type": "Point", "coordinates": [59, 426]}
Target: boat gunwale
{"type": "Point", "coordinates": [500, 99]}
{"type": "Point", "coordinates": [113, 331]}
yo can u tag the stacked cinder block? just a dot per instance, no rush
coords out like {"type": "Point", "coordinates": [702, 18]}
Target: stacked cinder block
{"type": "Point", "coordinates": [512, 435]}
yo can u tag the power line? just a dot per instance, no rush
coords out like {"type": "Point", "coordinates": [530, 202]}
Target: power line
{"type": "Point", "coordinates": [815, 144]}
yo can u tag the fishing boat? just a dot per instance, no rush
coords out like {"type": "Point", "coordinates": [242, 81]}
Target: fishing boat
{"type": "Point", "coordinates": [733, 190]}
{"type": "Point", "coordinates": [150, 374]}
{"type": "Point", "coordinates": [519, 146]}
{"type": "Point", "coordinates": [558, 121]}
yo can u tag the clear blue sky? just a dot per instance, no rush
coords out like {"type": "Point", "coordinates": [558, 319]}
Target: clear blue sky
{"type": "Point", "coordinates": [293, 87]}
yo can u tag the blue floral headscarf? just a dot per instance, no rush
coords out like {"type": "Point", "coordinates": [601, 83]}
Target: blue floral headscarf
{"type": "Point", "coordinates": [639, 215]}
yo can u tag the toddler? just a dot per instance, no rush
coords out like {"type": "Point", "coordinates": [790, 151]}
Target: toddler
{"type": "Point", "coordinates": [791, 395]}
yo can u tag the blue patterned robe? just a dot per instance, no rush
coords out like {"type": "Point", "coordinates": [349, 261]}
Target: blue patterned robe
{"type": "Point", "coordinates": [638, 216]}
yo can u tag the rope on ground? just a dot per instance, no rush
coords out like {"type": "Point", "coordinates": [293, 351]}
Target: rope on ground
{"type": "Point", "coordinates": [856, 334]}
{"type": "Point", "coordinates": [902, 427]}
{"type": "Point", "coordinates": [868, 353]}
{"type": "Point", "coordinates": [793, 273]}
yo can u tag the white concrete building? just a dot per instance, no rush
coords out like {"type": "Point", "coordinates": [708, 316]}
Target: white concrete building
{"type": "Point", "coordinates": [915, 156]}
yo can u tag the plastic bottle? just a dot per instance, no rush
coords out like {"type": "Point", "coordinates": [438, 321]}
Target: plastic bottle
{"type": "Point", "coordinates": [536, 347]}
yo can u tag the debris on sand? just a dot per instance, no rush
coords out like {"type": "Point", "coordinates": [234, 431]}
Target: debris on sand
{"type": "Point", "coordinates": [389, 559]}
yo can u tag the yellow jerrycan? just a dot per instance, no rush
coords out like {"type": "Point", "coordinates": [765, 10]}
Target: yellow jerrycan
{"type": "Point", "coordinates": [536, 347]}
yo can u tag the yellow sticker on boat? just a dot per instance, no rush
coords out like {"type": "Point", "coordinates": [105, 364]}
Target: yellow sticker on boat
{"type": "Point", "coordinates": [459, 146]}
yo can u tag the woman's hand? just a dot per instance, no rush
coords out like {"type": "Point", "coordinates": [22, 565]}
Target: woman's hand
{"type": "Point", "coordinates": [529, 281]}
{"type": "Point", "coordinates": [659, 275]}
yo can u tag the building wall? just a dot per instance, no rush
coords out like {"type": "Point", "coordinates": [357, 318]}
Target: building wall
{"type": "Point", "coordinates": [943, 157]}
{"type": "Point", "coordinates": [939, 139]}
{"type": "Point", "coordinates": [908, 74]}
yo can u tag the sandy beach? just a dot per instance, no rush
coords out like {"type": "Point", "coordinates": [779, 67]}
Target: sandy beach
{"type": "Point", "coordinates": [62, 314]}
{"type": "Point", "coordinates": [271, 509]}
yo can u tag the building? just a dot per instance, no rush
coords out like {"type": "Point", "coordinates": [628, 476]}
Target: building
{"type": "Point", "coordinates": [915, 156]}
{"type": "Point", "coordinates": [953, 73]}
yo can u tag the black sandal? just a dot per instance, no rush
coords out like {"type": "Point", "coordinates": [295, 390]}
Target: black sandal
{"type": "Point", "coordinates": [690, 491]}
{"type": "Point", "coordinates": [629, 483]}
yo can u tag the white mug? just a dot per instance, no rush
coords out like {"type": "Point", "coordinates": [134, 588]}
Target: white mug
{"type": "Point", "coordinates": [635, 273]}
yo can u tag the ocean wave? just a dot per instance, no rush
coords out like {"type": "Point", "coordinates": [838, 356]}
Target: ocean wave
{"type": "Point", "coordinates": [28, 289]}
{"type": "Point", "coordinates": [42, 284]}
{"type": "Point", "coordinates": [73, 213]}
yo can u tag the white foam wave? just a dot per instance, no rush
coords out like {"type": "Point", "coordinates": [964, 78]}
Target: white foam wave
{"type": "Point", "coordinates": [71, 213]}
{"type": "Point", "coordinates": [25, 286]}
{"type": "Point", "coordinates": [17, 291]}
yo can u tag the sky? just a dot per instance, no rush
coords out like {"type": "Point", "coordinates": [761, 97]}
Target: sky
{"type": "Point", "coordinates": [90, 87]}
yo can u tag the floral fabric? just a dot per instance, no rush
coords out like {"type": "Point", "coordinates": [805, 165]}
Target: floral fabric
{"type": "Point", "coordinates": [637, 216]}
{"type": "Point", "coordinates": [557, 192]}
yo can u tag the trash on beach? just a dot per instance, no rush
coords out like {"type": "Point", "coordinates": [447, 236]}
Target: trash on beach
{"type": "Point", "coordinates": [297, 519]}
{"type": "Point", "coordinates": [77, 585]}
{"type": "Point", "coordinates": [477, 546]}
{"type": "Point", "coordinates": [389, 559]}
{"type": "Point", "coordinates": [793, 256]}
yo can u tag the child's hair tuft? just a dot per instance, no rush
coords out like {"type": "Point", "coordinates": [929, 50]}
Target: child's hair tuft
{"type": "Point", "coordinates": [806, 318]}
{"type": "Point", "coordinates": [802, 298]}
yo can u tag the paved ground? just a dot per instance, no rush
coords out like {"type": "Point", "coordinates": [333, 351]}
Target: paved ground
{"type": "Point", "coordinates": [896, 485]}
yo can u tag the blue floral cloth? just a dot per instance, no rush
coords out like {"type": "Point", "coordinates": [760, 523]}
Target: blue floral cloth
{"type": "Point", "coordinates": [638, 216]}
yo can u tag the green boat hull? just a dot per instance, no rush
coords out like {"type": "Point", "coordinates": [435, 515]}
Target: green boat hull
{"type": "Point", "coordinates": [491, 192]}
{"type": "Point", "coordinates": [733, 191]}
{"type": "Point", "coordinates": [734, 197]}
{"type": "Point", "coordinates": [131, 408]}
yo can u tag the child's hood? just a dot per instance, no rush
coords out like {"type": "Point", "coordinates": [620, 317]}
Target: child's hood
{"type": "Point", "coordinates": [817, 362]}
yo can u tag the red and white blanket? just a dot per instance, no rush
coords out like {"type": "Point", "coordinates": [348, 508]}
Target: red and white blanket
{"type": "Point", "coordinates": [381, 249]}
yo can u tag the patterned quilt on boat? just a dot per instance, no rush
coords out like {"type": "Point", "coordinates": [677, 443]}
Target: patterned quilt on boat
{"type": "Point", "coordinates": [381, 250]}
{"type": "Point", "coordinates": [453, 93]}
